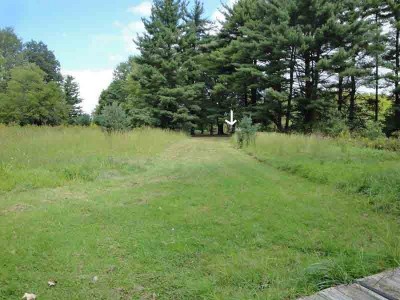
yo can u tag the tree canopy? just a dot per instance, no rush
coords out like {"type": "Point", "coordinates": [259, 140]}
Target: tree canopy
{"type": "Point", "coordinates": [290, 64]}
{"type": "Point", "coordinates": [32, 89]}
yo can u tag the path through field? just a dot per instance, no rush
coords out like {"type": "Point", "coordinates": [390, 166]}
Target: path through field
{"type": "Point", "coordinates": [202, 220]}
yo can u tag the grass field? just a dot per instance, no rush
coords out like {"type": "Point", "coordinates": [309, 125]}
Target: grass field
{"type": "Point", "coordinates": [365, 171]}
{"type": "Point", "coordinates": [158, 215]}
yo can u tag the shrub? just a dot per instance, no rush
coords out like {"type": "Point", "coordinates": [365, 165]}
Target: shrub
{"type": "Point", "coordinates": [83, 120]}
{"type": "Point", "coordinates": [382, 143]}
{"type": "Point", "coordinates": [395, 135]}
{"type": "Point", "coordinates": [372, 131]}
{"type": "Point", "coordinates": [334, 126]}
{"type": "Point", "coordinates": [113, 118]}
{"type": "Point", "coordinates": [246, 132]}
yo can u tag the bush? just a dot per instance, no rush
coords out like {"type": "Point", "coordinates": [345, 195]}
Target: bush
{"type": "Point", "coordinates": [82, 120]}
{"type": "Point", "coordinates": [382, 143]}
{"type": "Point", "coordinates": [334, 126]}
{"type": "Point", "coordinates": [395, 135]}
{"type": "Point", "coordinates": [246, 132]}
{"type": "Point", "coordinates": [113, 118]}
{"type": "Point", "coordinates": [372, 131]}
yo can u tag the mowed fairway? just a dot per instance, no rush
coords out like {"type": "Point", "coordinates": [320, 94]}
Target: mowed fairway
{"type": "Point", "coordinates": [194, 218]}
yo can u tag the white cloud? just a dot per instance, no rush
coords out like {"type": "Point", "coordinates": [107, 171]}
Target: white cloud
{"type": "Point", "coordinates": [91, 83]}
{"type": "Point", "coordinates": [129, 32]}
{"type": "Point", "coordinates": [217, 16]}
{"type": "Point", "coordinates": [115, 58]}
{"type": "Point", "coordinates": [143, 9]}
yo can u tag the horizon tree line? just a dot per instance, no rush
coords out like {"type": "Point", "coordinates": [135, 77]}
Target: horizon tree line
{"type": "Point", "coordinates": [32, 89]}
{"type": "Point", "coordinates": [292, 65]}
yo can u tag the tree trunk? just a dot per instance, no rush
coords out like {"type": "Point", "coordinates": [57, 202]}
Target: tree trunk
{"type": "Point", "coordinates": [340, 93]}
{"type": "Point", "coordinates": [396, 84]}
{"type": "Point", "coordinates": [211, 129]}
{"type": "Point", "coordinates": [352, 108]}
{"type": "Point", "coordinates": [376, 76]}
{"type": "Point", "coordinates": [278, 122]}
{"type": "Point", "coordinates": [221, 129]}
{"type": "Point", "coordinates": [254, 96]}
{"type": "Point", "coordinates": [289, 104]}
{"type": "Point", "coordinates": [308, 113]}
{"type": "Point", "coordinates": [245, 96]}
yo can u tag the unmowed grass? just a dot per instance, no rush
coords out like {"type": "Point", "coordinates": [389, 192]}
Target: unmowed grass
{"type": "Point", "coordinates": [37, 157]}
{"type": "Point", "coordinates": [177, 218]}
{"type": "Point", "coordinates": [369, 172]}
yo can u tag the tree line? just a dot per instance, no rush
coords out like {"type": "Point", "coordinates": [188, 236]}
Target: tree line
{"type": "Point", "coordinates": [292, 65]}
{"type": "Point", "coordinates": [32, 88]}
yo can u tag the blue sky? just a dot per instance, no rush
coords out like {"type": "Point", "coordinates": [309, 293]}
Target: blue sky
{"type": "Point", "coordinates": [89, 37]}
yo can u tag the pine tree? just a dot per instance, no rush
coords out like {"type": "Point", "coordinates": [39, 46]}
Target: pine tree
{"type": "Point", "coordinates": [160, 60]}
{"type": "Point", "coordinates": [235, 76]}
{"type": "Point", "coordinates": [316, 20]}
{"type": "Point", "coordinates": [191, 80]}
{"type": "Point", "coordinates": [375, 11]}
{"type": "Point", "coordinates": [72, 98]}
{"type": "Point", "coordinates": [349, 42]}
{"type": "Point", "coordinates": [392, 59]}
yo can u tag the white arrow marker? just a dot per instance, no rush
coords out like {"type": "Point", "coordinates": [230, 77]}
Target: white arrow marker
{"type": "Point", "coordinates": [231, 122]}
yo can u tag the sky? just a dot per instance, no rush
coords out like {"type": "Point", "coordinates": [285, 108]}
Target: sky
{"type": "Point", "coordinates": [88, 37]}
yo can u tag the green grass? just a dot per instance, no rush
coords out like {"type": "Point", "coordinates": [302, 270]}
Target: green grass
{"type": "Point", "coordinates": [365, 171]}
{"type": "Point", "coordinates": [36, 157]}
{"type": "Point", "coordinates": [179, 218]}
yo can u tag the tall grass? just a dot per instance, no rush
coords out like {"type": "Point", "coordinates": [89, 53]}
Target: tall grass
{"type": "Point", "coordinates": [32, 157]}
{"type": "Point", "coordinates": [370, 172]}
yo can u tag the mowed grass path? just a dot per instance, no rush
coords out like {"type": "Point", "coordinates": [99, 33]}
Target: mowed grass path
{"type": "Point", "coordinates": [200, 220]}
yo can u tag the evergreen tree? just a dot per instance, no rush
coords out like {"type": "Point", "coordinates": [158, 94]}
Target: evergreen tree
{"type": "Point", "coordinates": [392, 59]}
{"type": "Point", "coordinates": [160, 60]}
{"type": "Point", "coordinates": [316, 20]}
{"type": "Point", "coordinates": [375, 11]}
{"type": "Point", "coordinates": [118, 90]}
{"type": "Point", "coordinates": [72, 98]}
{"type": "Point", "coordinates": [191, 79]}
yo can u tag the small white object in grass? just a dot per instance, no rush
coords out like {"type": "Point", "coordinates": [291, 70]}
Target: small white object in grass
{"type": "Point", "coordinates": [173, 229]}
{"type": "Point", "coordinates": [52, 283]}
{"type": "Point", "coordinates": [29, 296]}
{"type": "Point", "coordinates": [95, 278]}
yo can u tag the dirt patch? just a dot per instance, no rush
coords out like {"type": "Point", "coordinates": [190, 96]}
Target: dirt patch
{"type": "Point", "coordinates": [19, 207]}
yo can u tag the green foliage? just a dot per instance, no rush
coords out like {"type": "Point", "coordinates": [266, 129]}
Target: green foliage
{"type": "Point", "coordinates": [38, 53]}
{"type": "Point", "coordinates": [82, 120]}
{"type": "Point", "coordinates": [28, 99]}
{"type": "Point", "coordinates": [334, 126]}
{"type": "Point", "coordinates": [290, 64]}
{"type": "Point", "coordinates": [113, 118]}
{"type": "Point", "coordinates": [72, 98]}
{"type": "Point", "coordinates": [381, 143]}
{"type": "Point", "coordinates": [395, 135]}
{"type": "Point", "coordinates": [372, 131]}
{"type": "Point", "coordinates": [246, 132]}
{"type": "Point", "coordinates": [10, 54]}
{"type": "Point", "coordinates": [30, 83]}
